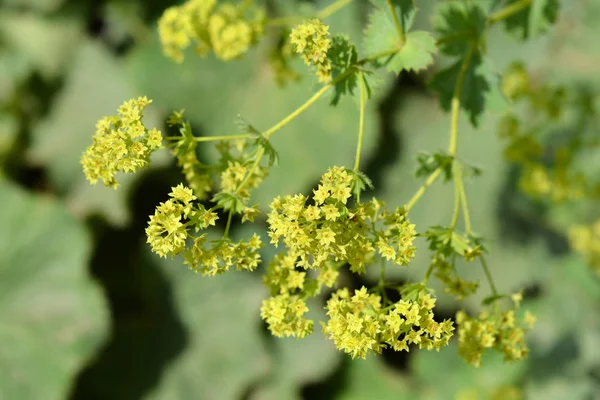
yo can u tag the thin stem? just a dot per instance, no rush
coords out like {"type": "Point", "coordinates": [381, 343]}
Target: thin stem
{"type": "Point", "coordinates": [508, 11]}
{"type": "Point", "coordinates": [333, 8]}
{"type": "Point", "coordinates": [428, 274]}
{"type": "Point", "coordinates": [377, 56]}
{"type": "Point", "coordinates": [306, 105]}
{"type": "Point", "coordinates": [324, 13]}
{"type": "Point", "coordinates": [381, 284]}
{"type": "Point", "coordinates": [259, 155]}
{"type": "Point", "coordinates": [465, 207]}
{"type": "Point", "coordinates": [434, 175]}
{"type": "Point", "coordinates": [456, 171]}
{"type": "Point", "coordinates": [226, 233]}
{"type": "Point", "coordinates": [397, 23]}
{"type": "Point", "coordinates": [488, 275]}
{"type": "Point", "coordinates": [211, 138]}
{"type": "Point", "coordinates": [361, 121]}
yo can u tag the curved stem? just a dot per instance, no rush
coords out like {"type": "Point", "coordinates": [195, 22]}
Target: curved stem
{"type": "Point", "coordinates": [211, 138]}
{"type": "Point", "coordinates": [456, 173]}
{"type": "Point", "coordinates": [488, 275]}
{"type": "Point", "coordinates": [434, 175]}
{"type": "Point", "coordinates": [324, 13]}
{"type": "Point", "coordinates": [397, 23]}
{"type": "Point", "coordinates": [306, 105]}
{"type": "Point", "coordinates": [259, 155]}
{"type": "Point", "coordinates": [226, 233]}
{"type": "Point", "coordinates": [465, 207]}
{"type": "Point", "coordinates": [361, 122]}
{"type": "Point", "coordinates": [508, 11]}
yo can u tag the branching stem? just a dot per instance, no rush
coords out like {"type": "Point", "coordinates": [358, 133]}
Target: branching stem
{"type": "Point", "coordinates": [397, 24]}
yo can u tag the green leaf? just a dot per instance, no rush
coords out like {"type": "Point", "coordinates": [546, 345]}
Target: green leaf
{"type": "Point", "coordinates": [297, 362]}
{"type": "Point", "coordinates": [472, 94]}
{"type": "Point", "coordinates": [360, 182]}
{"type": "Point", "coordinates": [405, 11]}
{"type": "Point", "coordinates": [430, 162]}
{"type": "Point", "coordinates": [343, 58]}
{"type": "Point", "coordinates": [371, 379]}
{"type": "Point", "coordinates": [458, 25]}
{"type": "Point", "coordinates": [229, 202]}
{"type": "Point", "coordinates": [225, 350]}
{"type": "Point", "coordinates": [380, 37]}
{"type": "Point", "coordinates": [46, 45]}
{"type": "Point", "coordinates": [53, 315]}
{"type": "Point", "coordinates": [431, 370]}
{"type": "Point", "coordinates": [95, 87]}
{"type": "Point", "coordinates": [534, 19]}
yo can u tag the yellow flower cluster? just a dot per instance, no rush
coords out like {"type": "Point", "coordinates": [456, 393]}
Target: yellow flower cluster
{"type": "Point", "coordinates": [359, 325]}
{"type": "Point", "coordinates": [500, 331]}
{"type": "Point", "coordinates": [556, 184]}
{"type": "Point", "coordinates": [329, 230]}
{"type": "Point", "coordinates": [169, 232]}
{"type": "Point", "coordinates": [453, 284]}
{"type": "Point", "coordinates": [285, 316]}
{"type": "Point", "coordinates": [227, 29]}
{"type": "Point", "coordinates": [236, 173]}
{"type": "Point", "coordinates": [196, 174]}
{"type": "Point", "coordinates": [121, 143]}
{"type": "Point", "coordinates": [586, 241]}
{"type": "Point", "coordinates": [312, 40]}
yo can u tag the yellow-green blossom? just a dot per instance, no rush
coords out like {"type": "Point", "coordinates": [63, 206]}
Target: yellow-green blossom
{"type": "Point", "coordinates": [312, 41]}
{"type": "Point", "coordinates": [121, 143]}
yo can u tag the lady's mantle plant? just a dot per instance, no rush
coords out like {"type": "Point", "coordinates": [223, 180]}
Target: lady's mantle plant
{"type": "Point", "coordinates": [331, 229]}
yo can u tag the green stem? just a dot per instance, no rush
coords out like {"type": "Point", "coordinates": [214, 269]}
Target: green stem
{"type": "Point", "coordinates": [488, 275]}
{"type": "Point", "coordinates": [324, 13]}
{"type": "Point", "coordinates": [430, 179]}
{"type": "Point", "coordinates": [333, 8]}
{"type": "Point", "coordinates": [211, 138]}
{"type": "Point", "coordinates": [428, 274]}
{"type": "Point", "coordinates": [306, 105]}
{"type": "Point", "coordinates": [465, 207]}
{"type": "Point", "coordinates": [377, 56]}
{"type": "Point", "coordinates": [397, 23]}
{"type": "Point", "coordinates": [361, 121]}
{"type": "Point", "coordinates": [381, 284]}
{"type": "Point", "coordinates": [508, 11]}
{"type": "Point", "coordinates": [226, 233]}
{"type": "Point", "coordinates": [456, 174]}
{"type": "Point", "coordinates": [259, 155]}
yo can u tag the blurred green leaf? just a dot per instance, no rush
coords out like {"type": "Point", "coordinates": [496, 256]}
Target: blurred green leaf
{"type": "Point", "coordinates": [35, 5]}
{"type": "Point", "coordinates": [444, 375]}
{"type": "Point", "coordinates": [53, 316]}
{"type": "Point", "coordinates": [46, 44]}
{"type": "Point", "coordinates": [297, 362]}
{"type": "Point", "coordinates": [95, 87]}
{"type": "Point", "coordinates": [534, 19]}
{"type": "Point", "coordinates": [370, 379]}
{"type": "Point", "coordinates": [225, 352]}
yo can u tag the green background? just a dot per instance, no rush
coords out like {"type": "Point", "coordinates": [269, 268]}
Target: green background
{"type": "Point", "coordinates": [87, 312]}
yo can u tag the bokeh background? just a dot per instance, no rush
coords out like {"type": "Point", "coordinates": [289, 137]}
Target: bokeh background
{"type": "Point", "coordinates": [86, 312]}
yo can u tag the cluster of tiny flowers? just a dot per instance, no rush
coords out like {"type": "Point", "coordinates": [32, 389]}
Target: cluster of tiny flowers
{"type": "Point", "coordinates": [225, 28]}
{"type": "Point", "coordinates": [453, 284]}
{"type": "Point", "coordinates": [170, 230]}
{"type": "Point", "coordinates": [196, 174]}
{"type": "Point", "coordinates": [556, 184]}
{"type": "Point", "coordinates": [499, 330]}
{"type": "Point", "coordinates": [121, 143]}
{"type": "Point", "coordinates": [311, 40]}
{"type": "Point", "coordinates": [586, 241]}
{"type": "Point", "coordinates": [359, 325]}
{"type": "Point", "coordinates": [235, 173]}
{"type": "Point", "coordinates": [284, 314]}
{"type": "Point", "coordinates": [329, 230]}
